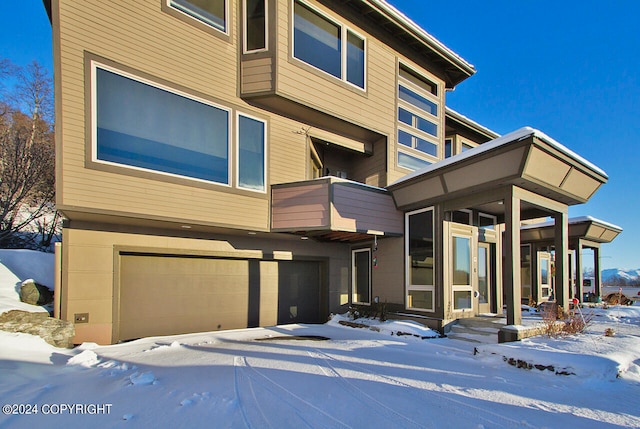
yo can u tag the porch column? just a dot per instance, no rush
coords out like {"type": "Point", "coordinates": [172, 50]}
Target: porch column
{"type": "Point", "coordinates": [579, 274]}
{"type": "Point", "coordinates": [596, 271]}
{"type": "Point", "coordinates": [561, 241]}
{"type": "Point", "coordinates": [512, 281]}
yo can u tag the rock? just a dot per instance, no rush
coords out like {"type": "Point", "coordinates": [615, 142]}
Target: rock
{"type": "Point", "coordinates": [58, 333]}
{"type": "Point", "coordinates": [34, 293]}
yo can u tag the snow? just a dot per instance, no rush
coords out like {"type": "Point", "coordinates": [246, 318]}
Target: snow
{"type": "Point", "coordinates": [395, 374]}
{"type": "Point", "coordinates": [16, 266]}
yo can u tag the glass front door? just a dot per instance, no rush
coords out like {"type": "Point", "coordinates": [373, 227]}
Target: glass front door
{"type": "Point", "coordinates": [484, 278]}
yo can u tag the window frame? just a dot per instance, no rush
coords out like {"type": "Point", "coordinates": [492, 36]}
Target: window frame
{"type": "Point", "coordinates": [417, 135]}
{"type": "Point", "coordinates": [200, 23]}
{"type": "Point", "coordinates": [245, 37]}
{"type": "Point", "coordinates": [237, 152]}
{"type": "Point", "coordinates": [344, 32]}
{"type": "Point", "coordinates": [462, 288]}
{"type": "Point", "coordinates": [407, 260]}
{"type": "Point", "coordinates": [156, 85]}
{"type": "Point", "coordinates": [353, 275]}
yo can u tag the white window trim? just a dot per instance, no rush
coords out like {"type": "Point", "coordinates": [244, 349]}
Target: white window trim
{"type": "Point", "coordinates": [407, 268]}
{"type": "Point", "coordinates": [237, 158]}
{"type": "Point", "coordinates": [245, 26]}
{"type": "Point", "coordinates": [226, 17]}
{"type": "Point", "coordinates": [353, 276]}
{"type": "Point", "coordinates": [343, 42]}
{"type": "Point", "coordinates": [94, 123]}
{"type": "Point", "coordinates": [463, 288]}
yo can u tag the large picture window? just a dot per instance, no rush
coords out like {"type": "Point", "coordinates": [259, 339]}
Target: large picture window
{"type": "Point", "coordinates": [327, 45]}
{"type": "Point", "coordinates": [211, 12]}
{"type": "Point", "coordinates": [419, 247]}
{"type": "Point", "coordinates": [146, 127]}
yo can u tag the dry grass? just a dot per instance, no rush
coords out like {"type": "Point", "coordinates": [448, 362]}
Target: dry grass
{"type": "Point", "coordinates": [558, 323]}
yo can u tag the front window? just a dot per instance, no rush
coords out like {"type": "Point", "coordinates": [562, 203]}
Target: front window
{"type": "Point", "coordinates": [327, 45]}
{"type": "Point", "coordinates": [211, 12]}
{"type": "Point", "coordinates": [418, 119]}
{"type": "Point", "coordinates": [145, 127]}
{"type": "Point", "coordinates": [420, 260]}
{"type": "Point", "coordinates": [251, 153]}
{"type": "Point", "coordinates": [361, 272]}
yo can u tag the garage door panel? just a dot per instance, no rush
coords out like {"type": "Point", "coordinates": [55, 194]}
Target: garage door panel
{"type": "Point", "coordinates": [162, 295]}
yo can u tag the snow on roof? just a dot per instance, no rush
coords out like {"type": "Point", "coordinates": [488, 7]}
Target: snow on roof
{"type": "Point", "coordinates": [572, 221]}
{"type": "Point", "coordinates": [418, 31]}
{"type": "Point", "coordinates": [512, 137]}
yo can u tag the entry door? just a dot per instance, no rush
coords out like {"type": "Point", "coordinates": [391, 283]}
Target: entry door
{"type": "Point", "coordinates": [462, 267]}
{"type": "Point", "coordinates": [544, 276]}
{"type": "Point", "coordinates": [485, 278]}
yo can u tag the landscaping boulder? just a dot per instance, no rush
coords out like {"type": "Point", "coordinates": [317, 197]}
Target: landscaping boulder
{"type": "Point", "coordinates": [34, 293]}
{"type": "Point", "coordinates": [58, 333]}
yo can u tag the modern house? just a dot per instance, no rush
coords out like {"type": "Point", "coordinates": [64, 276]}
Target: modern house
{"type": "Point", "coordinates": [229, 164]}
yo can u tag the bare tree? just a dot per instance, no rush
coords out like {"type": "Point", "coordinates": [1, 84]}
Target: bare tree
{"type": "Point", "coordinates": [27, 154]}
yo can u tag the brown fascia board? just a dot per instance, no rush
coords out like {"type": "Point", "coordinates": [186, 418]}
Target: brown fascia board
{"type": "Point", "coordinates": [454, 61]}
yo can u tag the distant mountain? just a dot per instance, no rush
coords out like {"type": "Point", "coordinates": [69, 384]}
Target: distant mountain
{"type": "Point", "coordinates": [621, 277]}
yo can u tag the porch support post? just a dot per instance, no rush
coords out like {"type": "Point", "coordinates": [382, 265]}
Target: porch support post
{"type": "Point", "coordinates": [579, 269]}
{"type": "Point", "coordinates": [561, 242]}
{"type": "Point", "coordinates": [511, 268]}
{"type": "Point", "coordinates": [596, 271]}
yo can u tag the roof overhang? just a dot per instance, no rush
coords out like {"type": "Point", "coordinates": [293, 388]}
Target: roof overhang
{"type": "Point", "coordinates": [411, 34]}
{"type": "Point", "coordinates": [583, 228]}
{"type": "Point", "coordinates": [526, 159]}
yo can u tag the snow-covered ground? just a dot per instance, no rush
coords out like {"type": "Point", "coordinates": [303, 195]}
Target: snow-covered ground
{"type": "Point", "coordinates": [326, 376]}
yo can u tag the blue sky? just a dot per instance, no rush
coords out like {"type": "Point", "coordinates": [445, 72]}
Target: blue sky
{"type": "Point", "coordinates": [570, 68]}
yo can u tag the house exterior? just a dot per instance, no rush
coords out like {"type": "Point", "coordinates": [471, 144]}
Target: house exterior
{"type": "Point", "coordinates": [229, 164]}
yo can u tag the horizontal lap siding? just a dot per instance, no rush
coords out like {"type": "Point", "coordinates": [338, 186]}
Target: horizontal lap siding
{"type": "Point", "coordinates": [165, 48]}
{"type": "Point", "coordinates": [300, 207]}
{"type": "Point", "coordinates": [373, 109]}
{"type": "Point", "coordinates": [365, 209]}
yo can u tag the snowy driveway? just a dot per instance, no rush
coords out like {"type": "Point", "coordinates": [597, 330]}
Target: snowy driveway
{"type": "Point", "coordinates": [357, 378]}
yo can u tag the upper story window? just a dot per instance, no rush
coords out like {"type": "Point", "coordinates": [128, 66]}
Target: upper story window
{"type": "Point", "coordinates": [140, 125]}
{"type": "Point", "coordinates": [255, 25]}
{"type": "Point", "coordinates": [328, 45]}
{"type": "Point", "coordinates": [418, 119]}
{"type": "Point", "coordinates": [211, 12]}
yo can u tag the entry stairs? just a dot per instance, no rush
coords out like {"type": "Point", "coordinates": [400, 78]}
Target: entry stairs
{"type": "Point", "coordinates": [481, 329]}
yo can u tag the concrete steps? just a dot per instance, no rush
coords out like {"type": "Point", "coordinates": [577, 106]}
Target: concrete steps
{"type": "Point", "coordinates": [477, 330]}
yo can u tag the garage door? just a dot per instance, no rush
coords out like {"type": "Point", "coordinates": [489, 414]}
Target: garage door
{"type": "Point", "coordinates": [166, 295]}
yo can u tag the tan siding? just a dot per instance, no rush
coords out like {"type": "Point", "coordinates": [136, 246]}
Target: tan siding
{"type": "Point", "coordinates": [257, 75]}
{"type": "Point", "coordinates": [372, 109]}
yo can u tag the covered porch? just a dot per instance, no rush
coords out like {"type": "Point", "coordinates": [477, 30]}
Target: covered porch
{"type": "Point", "coordinates": [584, 233]}
{"type": "Point", "coordinates": [522, 176]}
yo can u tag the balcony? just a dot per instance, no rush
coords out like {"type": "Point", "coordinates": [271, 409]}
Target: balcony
{"type": "Point", "coordinates": [330, 208]}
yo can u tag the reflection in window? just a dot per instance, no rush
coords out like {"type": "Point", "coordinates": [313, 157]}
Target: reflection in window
{"type": "Point", "coordinates": [251, 153]}
{"type": "Point", "coordinates": [212, 12]}
{"type": "Point", "coordinates": [142, 126]}
{"type": "Point", "coordinates": [420, 260]}
{"type": "Point", "coordinates": [362, 276]}
{"type": "Point", "coordinates": [255, 25]}
{"type": "Point", "coordinates": [318, 41]}
{"type": "Point", "coordinates": [411, 162]}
